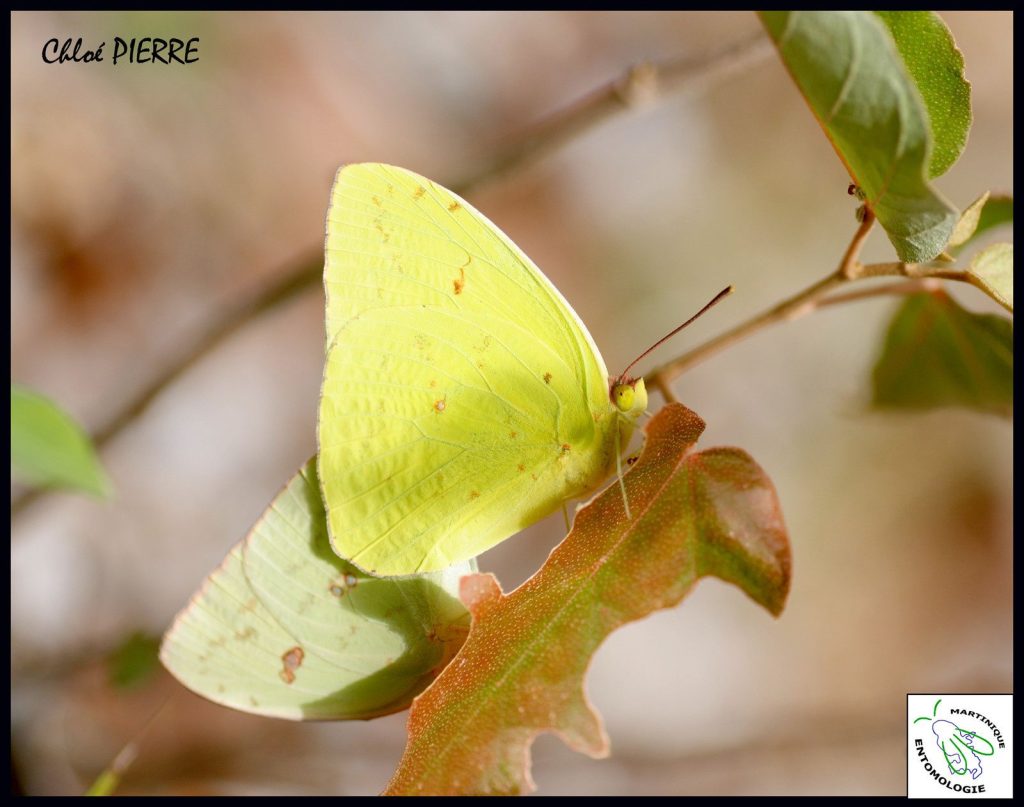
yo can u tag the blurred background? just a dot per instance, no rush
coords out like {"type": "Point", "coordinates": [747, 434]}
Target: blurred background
{"type": "Point", "coordinates": [146, 200]}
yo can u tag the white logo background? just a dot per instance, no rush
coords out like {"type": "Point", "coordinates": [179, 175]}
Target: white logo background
{"type": "Point", "coordinates": [996, 770]}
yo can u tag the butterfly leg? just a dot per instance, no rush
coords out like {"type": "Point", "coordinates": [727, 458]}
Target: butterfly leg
{"type": "Point", "coordinates": [618, 470]}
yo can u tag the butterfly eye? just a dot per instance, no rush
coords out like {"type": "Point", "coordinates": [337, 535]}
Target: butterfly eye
{"type": "Point", "coordinates": [624, 395]}
{"type": "Point", "coordinates": [630, 398]}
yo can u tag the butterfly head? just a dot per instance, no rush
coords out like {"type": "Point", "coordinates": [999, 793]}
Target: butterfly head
{"type": "Point", "coordinates": [629, 396]}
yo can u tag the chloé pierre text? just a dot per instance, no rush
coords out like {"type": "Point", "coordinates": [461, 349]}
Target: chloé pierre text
{"type": "Point", "coordinates": [140, 50]}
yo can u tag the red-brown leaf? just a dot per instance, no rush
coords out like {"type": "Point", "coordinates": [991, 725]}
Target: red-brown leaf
{"type": "Point", "coordinates": [521, 670]}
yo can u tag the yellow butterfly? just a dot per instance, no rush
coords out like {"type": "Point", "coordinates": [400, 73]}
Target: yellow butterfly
{"type": "Point", "coordinates": [463, 399]}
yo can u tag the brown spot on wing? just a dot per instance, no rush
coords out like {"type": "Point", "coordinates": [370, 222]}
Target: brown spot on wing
{"type": "Point", "coordinates": [474, 494]}
{"type": "Point", "coordinates": [460, 281]}
{"type": "Point", "coordinates": [377, 201]}
{"type": "Point", "coordinates": [439, 405]}
{"type": "Point", "coordinates": [547, 378]}
{"type": "Point", "coordinates": [454, 206]}
{"type": "Point", "coordinates": [513, 435]}
{"type": "Point", "coordinates": [418, 193]}
{"type": "Point", "coordinates": [292, 660]}
{"type": "Point", "coordinates": [566, 448]}
{"type": "Point", "coordinates": [521, 467]}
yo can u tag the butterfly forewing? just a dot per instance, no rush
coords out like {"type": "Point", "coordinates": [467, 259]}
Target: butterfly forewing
{"type": "Point", "coordinates": [463, 399]}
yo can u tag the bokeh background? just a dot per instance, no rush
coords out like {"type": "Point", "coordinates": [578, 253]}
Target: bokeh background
{"type": "Point", "coordinates": [148, 199]}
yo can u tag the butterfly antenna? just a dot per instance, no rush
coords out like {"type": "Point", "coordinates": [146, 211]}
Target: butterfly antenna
{"type": "Point", "coordinates": [618, 470]}
{"type": "Point", "coordinates": [717, 298]}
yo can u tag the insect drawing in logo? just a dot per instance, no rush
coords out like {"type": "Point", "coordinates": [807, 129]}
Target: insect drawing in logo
{"type": "Point", "coordinates": [955, 746]}
{"type": "Point", "coordinates": [962, 749]}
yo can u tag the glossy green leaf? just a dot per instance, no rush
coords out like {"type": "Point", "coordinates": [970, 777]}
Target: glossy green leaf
{"type": "Point", "coordinates": [938, 354]}
{"type": "Point", "coordinates": [849, 69]}
{"type": "Point", "coordinates": [937, 67]}
{"type": "Point", "coordinates": [49, 449]}
{"type": "Point", "coordinates": [991, 270]}
{"type": "Point", "coordinates": [285, 628]}
{"type": "Point", "coordinates": [521, 671]}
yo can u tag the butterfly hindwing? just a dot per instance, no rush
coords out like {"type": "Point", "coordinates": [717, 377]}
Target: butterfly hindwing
{"type": "Point", "coordinates": [285, 628]}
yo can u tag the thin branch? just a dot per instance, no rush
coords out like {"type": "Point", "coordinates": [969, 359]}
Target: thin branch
{"type": "Point", "coordinates": [900, 289]}
{"type": "Point", "coordinates": [280, 292]}
{"type": "Point", "coordinates": [917, 271]}
{"type": "Point", "coordinates": [665, 390]}
{"type": "Point", "coordinates": [789, 309]}
{"type": "Point", "coordinates": [920, 277]}
{"type": "Point", "coordinates": [289, 287]}
{"type": "Point", "coordinates": [849, 265]}
{"type": "Point", "coordinates": [638, 85]}
{"type": "Point", "coordinates": [892, 269]}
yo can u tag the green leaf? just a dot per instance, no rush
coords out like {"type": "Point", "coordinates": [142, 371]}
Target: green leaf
{"type": "Point", "coordinates": [968, 223]}
{"type": "Point", "coordinates": [134, 661]}
{"type": "Point", "coordinates": [985, 213]}
{"type": "Point", "coordinates": [991, 271]}
{"type": "Point", "coordinates": [849, 70]}
{"type": "Point", "coordinates": [49, 449]}
{"type": "Point", "coordinates": [997, 210]}
{"type": "Point", "coordinates": [938, 354]}
{"type": "Point", "coordinates": [521, 670]}
{"type": "Point", "coordinates": [285, 628]}
{"type": "Point", "coordinates": [937, 68]}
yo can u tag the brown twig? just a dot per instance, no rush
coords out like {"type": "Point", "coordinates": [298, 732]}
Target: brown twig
{"type": "Point", "coordinates": [899, 289]}
{"type": "Point", "coordinates": [920, 277]}
{"type": "Point", "coordinates": [792, 308]}
{"type": "Point", "coordinates": [289, 287]}
{"type": "Point", "coordinates": [849, 265]}
{"type": "Point", "coordinates": [912, 270]}
{"type": "Point", "coordinates": [640, 85]}
{"type": "Point", "coordinates": [665, 390]}
{"type": "Point", "coordinates": [636, 86]}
